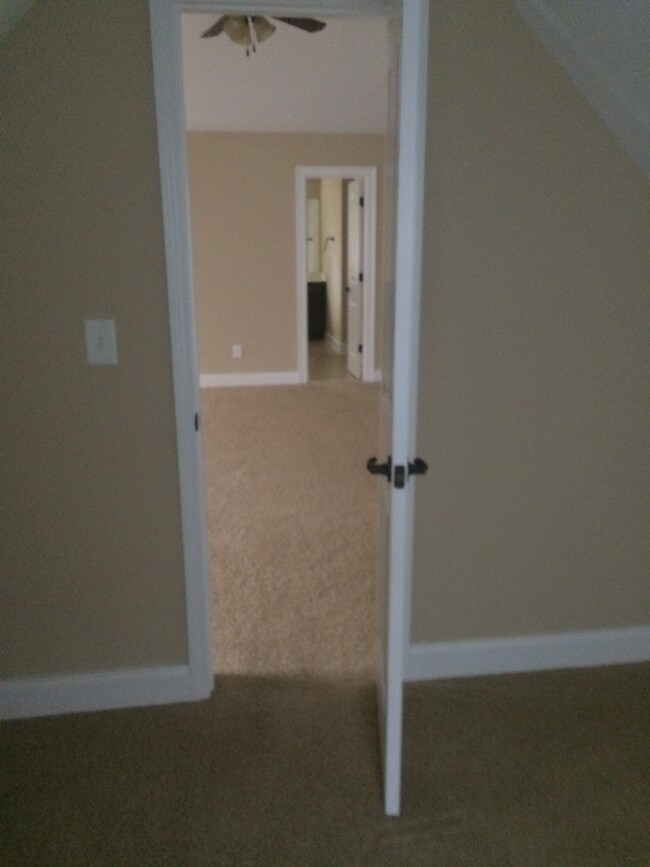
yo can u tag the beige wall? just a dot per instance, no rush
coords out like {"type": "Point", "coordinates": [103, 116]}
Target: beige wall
{"type": "Point", "coordinates": [534, 353]}
{"type": "Point", "coordinates": [91, 564]}
{"type": "Point", "coordinates": [534, 370]}
{"type": "Point", "coordinates": [242, 190]}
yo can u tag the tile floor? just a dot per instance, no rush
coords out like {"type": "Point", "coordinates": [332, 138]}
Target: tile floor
{"type": "Point", "coordinates": [326, 363]}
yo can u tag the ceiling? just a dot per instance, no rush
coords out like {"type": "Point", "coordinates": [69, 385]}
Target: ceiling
{"type": "Point", "coordinates": [11, 11]}
{"type": "Point", "coordinates": [332, 81]}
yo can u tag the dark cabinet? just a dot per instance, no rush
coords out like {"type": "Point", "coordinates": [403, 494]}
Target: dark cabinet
{"type": "Point", "coordinates": [316, 309]}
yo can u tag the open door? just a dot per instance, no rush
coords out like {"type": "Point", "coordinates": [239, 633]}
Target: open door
{"type": "Point", "coordinates": [354, 277]}
{"type": "Point", "coordinates": [400, 351]}
{"type": "Point", "coordinates": [398, 408]}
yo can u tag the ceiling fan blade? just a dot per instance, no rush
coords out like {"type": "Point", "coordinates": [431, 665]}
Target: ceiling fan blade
{"type": "Point", "coordinates": [216, 28]}
{"type": "Point", "coordinates": [308, 24]}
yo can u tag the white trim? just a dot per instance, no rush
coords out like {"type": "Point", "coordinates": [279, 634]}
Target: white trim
{"type": "Point", "coordinates": [404, 393]}
{"type": "Point", "coordinates": [170, 119]}
{"type": "Point", "coordinates": [102, 690]}
{"type": "Point", "coordinates": [627, 121]}
{"type": "Point", "coordinates": [367, 174]}
{"type": "Point", "coordinates": [527, 653]}
{"type": "Point", "coordinates": [331, 8]}
{"type": "Point", "coordinates": [235, 380]}
{"type": "Point", "coordinates": [165, 28]}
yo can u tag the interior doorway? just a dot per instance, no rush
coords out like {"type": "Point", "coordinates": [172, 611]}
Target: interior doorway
{"type": "Point", "coordinates": [336, 260]}
{"type": "Point", "coordinates": [407, 89]}
{"type": "Point", "coordinates": [251, 179]}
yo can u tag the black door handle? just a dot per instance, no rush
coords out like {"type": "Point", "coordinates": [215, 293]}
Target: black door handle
{"type": "Point", "coordinates": [418, 467]}
{"type": "Point", "coordinates": [377, 469]}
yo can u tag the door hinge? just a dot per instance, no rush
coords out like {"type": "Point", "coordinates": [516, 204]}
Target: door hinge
{"type": "Point", "coordinates": [361, 347]}
{"type": "Point", "coordinates": [418, 467]}
{"type": "Point", "coordinates": [196, 421]}
{"type": "Point", "coordinates": [361, 277]}
{"type": "Point", "coordinates": [361, 201]}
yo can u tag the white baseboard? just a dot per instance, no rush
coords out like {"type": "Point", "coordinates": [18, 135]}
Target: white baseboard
{"type": "Point", "coordinates": [527, 653]}
{"type": "Point", "coordinates": [336, 344]}
{"type": "Point", "coordinates": [235, 380]}
{"type": "Point", "coordinates": [102, 690]}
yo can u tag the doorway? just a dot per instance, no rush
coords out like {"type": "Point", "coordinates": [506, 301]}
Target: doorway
{"type": "Point", "coordinates": [336, 259]}
{"type": "Point", "coordinates": [407, 93]}
{"type": "Point", "coordinates": [238, 197]}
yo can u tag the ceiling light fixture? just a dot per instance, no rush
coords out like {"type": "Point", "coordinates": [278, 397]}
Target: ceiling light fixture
{"type": "Point", "coordinates": [248, 30]}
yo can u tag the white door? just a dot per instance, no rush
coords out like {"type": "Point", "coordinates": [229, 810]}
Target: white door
{"type": "Point", "coordinates": [407, 109]}
{"type": "Point", "coordinates": [354, 277]}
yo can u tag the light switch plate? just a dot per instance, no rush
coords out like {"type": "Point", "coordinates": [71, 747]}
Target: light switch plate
{"type": "Point", "coordinates": [101, 341]}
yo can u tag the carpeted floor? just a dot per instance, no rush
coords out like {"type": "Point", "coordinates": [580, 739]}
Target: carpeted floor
{"type": "Point", "coordinates": [538, 770]}
{"type": "Point", "coordinates": [292, 527]}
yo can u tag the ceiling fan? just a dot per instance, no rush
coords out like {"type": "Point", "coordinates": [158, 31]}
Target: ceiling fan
{"type": "Point", "coordinates": [250, 29]}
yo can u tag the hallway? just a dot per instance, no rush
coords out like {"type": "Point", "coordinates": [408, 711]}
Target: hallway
{"type": "Point", "coordinates": [326, 363]}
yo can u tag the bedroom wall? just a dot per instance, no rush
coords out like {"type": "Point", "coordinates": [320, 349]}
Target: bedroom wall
{"type": "Point", "coordinates": [534, 367]}
{"type": "Point", "coordinates": [242, 191]}
{"type": "Point", "coordinates": [91, 557]}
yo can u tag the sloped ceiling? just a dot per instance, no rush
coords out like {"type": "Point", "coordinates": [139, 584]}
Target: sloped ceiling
{"type": "Point", "coordinates": [332, 81]}
{"type": "Point", "coordinates": [604, 45]}
{"type": "Point", "coordinates": [11, 11]}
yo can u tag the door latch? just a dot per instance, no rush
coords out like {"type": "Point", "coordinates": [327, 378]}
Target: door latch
{"type": "Point", "coordinates": [418, 467]}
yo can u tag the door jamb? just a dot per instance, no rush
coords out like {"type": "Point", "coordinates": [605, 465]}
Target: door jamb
{"type": "Point", "coordinates": [368, 174]}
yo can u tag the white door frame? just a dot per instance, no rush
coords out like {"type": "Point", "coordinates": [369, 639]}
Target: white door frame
{"type": "Point", "coordinates": [170, 117]}
{"type": "Point", "coordinates": [367, 174]}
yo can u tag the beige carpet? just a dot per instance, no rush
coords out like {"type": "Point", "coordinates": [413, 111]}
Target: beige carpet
{"type": "Point", "coordinates": [541, 770]}
{"type": "Point", "coordinates": [292, 521]}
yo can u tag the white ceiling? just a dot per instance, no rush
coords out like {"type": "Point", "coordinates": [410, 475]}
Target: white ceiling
{"type": "Point", "coordinates": [332, 81]}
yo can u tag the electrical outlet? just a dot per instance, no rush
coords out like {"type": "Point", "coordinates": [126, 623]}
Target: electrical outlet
{"type": "Point", "coordinates": [237, 350]}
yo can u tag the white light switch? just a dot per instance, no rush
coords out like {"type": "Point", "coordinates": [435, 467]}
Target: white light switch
{"type": "Point", "coordinates": [101, 341]}
{"type": "Point", "coordinates": [237, 350]}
